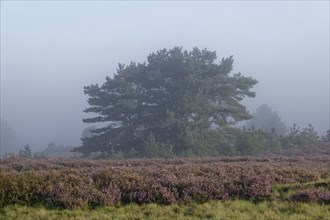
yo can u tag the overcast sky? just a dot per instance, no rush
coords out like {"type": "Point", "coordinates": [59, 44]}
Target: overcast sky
{"type": "Point", "coordinates": [50, 50]}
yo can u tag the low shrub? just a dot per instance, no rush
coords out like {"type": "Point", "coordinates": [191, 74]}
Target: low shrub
{"type": "Point", "coordinates": [319, 195]}
{"type": "Point", "coordinates": [79, 183]}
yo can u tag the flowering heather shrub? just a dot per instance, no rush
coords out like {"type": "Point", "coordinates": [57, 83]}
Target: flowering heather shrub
{"type": "Point", "coordinates": [319, 195]}
{"type": "Point", "coordinates": [20, 188]}
{"type": "Point", "coordinates": [77, 183]}
{"type": "Point", "coordinates": [67, 189]}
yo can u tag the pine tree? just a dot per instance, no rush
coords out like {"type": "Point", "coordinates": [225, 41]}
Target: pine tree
{"type": "Point", "coordinates": [267, 120]}
{"type": "Point", "coordinates": [183, 100]}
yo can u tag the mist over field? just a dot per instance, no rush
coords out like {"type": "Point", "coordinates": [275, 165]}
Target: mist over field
{"type": "Point", "coordinates": [50, 50]}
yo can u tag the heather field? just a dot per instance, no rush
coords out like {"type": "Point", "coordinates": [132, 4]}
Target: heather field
{"type": "Point", "coordinates": [222, 187]}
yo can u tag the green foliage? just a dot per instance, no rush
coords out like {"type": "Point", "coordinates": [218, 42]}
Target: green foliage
{"type": "Point", "coordinates": [54, 151]}
{"type": "Point", "coordinates": [40, 155]}
{"type": "Point", "coordinates": [273, 140]}
{"type": "Point", "coordinates": [251, 141]}
{"type": "Point", "coordinates": [87, 132]}
{"type": "Point", "coordinates": [301, 137]}
{"type": "Point", "coordinates": [26, 152]}
{"type": "Point", "coordinates": [157, 149]}
{"type": "Point", "coordinates": [183, 99]}
{"type": "Point", "coordinates": [326, 138]}
{"type": "Point", "coordinates": [267, 120]}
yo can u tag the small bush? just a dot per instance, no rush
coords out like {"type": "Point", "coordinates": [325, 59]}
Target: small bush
{"type": "Point", "coordinates": [319, 195]}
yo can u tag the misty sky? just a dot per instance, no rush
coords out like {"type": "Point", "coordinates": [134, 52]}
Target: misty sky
{"type": "Point", "coordinates": [50, 50]}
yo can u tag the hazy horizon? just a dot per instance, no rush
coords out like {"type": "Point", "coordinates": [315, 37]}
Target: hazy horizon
{"type": "Point", "coordinates": [51, 50]}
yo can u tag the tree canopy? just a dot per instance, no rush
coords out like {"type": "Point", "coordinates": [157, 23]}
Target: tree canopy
{"type": "Point", "coordinates": [267, 120]}
{"type": "Point", "coordinates": [177, 101]}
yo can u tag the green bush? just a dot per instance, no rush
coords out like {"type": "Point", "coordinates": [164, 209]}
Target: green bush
{"type": "Point", "coordinates": [301, 137]}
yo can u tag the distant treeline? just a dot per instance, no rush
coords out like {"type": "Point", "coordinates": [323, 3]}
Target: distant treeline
{"type": "Point", "coordinates": [246, 142]}
{"type": "Point", "coordinates": [52, 151]}
{"type": "Point", "coordinates": [180, 104]}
